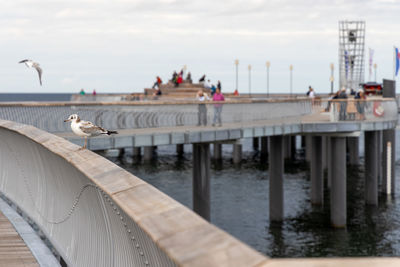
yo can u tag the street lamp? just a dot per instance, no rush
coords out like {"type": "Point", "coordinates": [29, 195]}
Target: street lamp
{"type": "Point", "coordinates": [268, 64]}
{"type": "Point", "coordinates": [375, 66]}
{"type": "Point", "coordinates": [332, 79]}
{"type": "Point", "coordinates": [237, 79]}
{"type": "Point", "coordinates": [249, 80]}
{"type": "Point", "coordinates": [291, 79]}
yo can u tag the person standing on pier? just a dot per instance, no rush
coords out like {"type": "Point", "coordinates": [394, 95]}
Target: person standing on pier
{"type": "Point", "coordinates": [360, 97]}
{"type": "Point", "coordinates": [218, 96]}
{"type": "Point", "coordinates": [343, 104]}
{"type": "Point", "coordinates": [202, 114]}
{"type": "Point", "coordinates": [219, 86]}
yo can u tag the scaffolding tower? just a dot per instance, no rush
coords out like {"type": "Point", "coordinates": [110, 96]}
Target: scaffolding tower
{"type": "Point", "coordinates": [351, 53]}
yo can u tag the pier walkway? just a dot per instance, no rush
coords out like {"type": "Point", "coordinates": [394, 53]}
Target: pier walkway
{"type": "Point", "coordinates": [13, 250]}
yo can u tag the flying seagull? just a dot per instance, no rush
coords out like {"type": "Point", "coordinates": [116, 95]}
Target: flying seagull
{"type": "Point", "coordinates": [30, 64]}
{"type": "Point", "coordinates": [86, 128]}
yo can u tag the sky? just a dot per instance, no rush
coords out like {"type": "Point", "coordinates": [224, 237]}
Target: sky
{"type": "Point", "coordinates": [120, 46]}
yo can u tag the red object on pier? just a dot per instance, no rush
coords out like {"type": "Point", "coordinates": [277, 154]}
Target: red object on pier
{"type": "Point", "coordinates": [372, 88]}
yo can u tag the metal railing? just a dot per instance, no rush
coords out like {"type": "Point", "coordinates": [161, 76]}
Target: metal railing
{"type": "Point", "coordinates": [96, 214]}
{"type": "Point", "coordinates": [124, 115]}
{"type": "Point", "coordinates": [378, 109]}
{"type": "Point", "coordinates": [135, 115]}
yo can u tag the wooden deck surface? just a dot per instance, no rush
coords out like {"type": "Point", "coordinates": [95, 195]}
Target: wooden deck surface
{"type": "Point", "coordinates": [13, 250]}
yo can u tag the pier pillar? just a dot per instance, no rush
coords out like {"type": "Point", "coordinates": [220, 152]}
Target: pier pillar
{"type": "Point", "coordinates": [264, 147]}
{"type": "Point", "coordinates": [287, 152]}
{"type": "Point", "coordinates": [308, 148]}
{"type": "Point", "coordinates": [388, 145]}
{"type": "Point", "coordinates": [388, 161]}
{"type": "Point", "coordinates": [338, 186]}
{"type": "Point", "coordinates": [256, 143]}
{"type": "Point", "coordinates": [379, 136]}
{"type": "Point", "coordinates": [217, 151]}
{"type": "Point", "coordinates": [329, 160]}
{"type": "Point", "coordinates": [201, 179]}
{"type": "Point", "coordinates": [237, 153]}
{"type": "Point", "coordinates": [137, 151]}
{"type": "Point", "coordinates": [180, 149]}
{"type": "Point", "coordinates": [371, 167]}
{"type": "Point", "coordinates": [148, 153]}
{"type": "Point", "coordinates": [317, 175]}
{"type": "Point", "coordinates": [353, 150]}
{"type": "Point", "coordinates": [324, 153]}
{"type": "Point", "coordinates": [293, 147]}
{"type": "Point", "coordinates": [276, 179]}
{"type": "Point", "coordinates": [121, 153]}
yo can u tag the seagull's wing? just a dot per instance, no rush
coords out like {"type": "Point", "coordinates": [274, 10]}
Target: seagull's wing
{"type": "Point", "coordinates": [29, 63]}
{"type": "Point", "coordinates": [39, 70]}
{"type": "Point", "coordinates": [89, 128]}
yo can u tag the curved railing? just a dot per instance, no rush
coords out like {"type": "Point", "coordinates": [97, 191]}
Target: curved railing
{"type": "Point", "coordinates": [132, 115]}
{"type": "Point", "coordinates": [97, 214]}
{"type": "Point", "coordinates": [153, 114]}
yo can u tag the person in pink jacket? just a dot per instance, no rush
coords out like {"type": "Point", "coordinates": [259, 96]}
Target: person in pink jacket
{"type": "Point", "coordinates": [218, 96]}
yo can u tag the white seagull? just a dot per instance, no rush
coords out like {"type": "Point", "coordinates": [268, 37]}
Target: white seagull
{"type": "Point", "coordinates": [86, 128]}
{"type": "Point", "coordinates": [30, 64]}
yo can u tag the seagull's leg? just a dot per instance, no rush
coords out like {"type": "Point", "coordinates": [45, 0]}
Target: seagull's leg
{"type": "Point", "coordinates": [84, 146]}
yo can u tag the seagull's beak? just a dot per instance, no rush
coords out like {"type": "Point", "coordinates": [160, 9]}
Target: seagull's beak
{"type": "Point", "coordinates": [67, 120]}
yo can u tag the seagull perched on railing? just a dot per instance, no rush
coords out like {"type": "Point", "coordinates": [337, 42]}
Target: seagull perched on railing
{"type": "Point", "coordinates": [30, 64]}
{"type": "Point", "coordinates": [86, 128]}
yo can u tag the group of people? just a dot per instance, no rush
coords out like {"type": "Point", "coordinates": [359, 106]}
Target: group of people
{"type": "Point", "coordinates": [207, 84]}
{"type": "Point", "coordinates": [202, 114]}
{"type": "Point", "coordinates": [82, 92]}
{"type": "Point", "coordinates": [345, 94]}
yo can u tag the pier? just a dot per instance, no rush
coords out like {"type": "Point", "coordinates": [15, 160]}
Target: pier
{"type": "Point", "coordinates": [85, 204]}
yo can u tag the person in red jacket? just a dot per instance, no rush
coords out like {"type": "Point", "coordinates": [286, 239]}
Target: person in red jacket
{"type": "Point", "coordinates": [218, 96]}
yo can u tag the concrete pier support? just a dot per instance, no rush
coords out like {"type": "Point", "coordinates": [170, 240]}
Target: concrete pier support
{"type": "Point", "coordinates": [308, 148]}
{"type": "Point", "coordinates": [324, 153]}
{"type": "Point", "coordinates": [371, 167]}
{"type": "Point", "coordinates": [180, 149]}
{"type": "Point", "coordinates": [353, 150]}
{"type": "Point", "coordinates": [217, 151]}
{"type": "Point", "coordinates": [148, 153]}
{"type": "Point", "coordinates": [201, 179]}
{"type": "Point", "coordinates": [293, 148]}
{"type": "Point", "coordinates": [317, 175]}
{"type": "Point", "coordinates": [276, 179]}
{"type": "Point", "coordinates": [256, 143]}
{"type": "Point", "coordinates": [388, 161]}
{"type": "Point", "coordinates": [121, 153]}
{"type": "Point", "coordinates": [237, 153]}
{"type": "Point", "coordinates": [287, 147]}
{"type": "Point", "coordinates": [137, 151]}
{"type": "Point", "coordinates": [379, 136]}
{"type": "Point", "coordinates": [328, 160]}
{"type": "Point", "coordinates": [338, 187]}
{"type": "Point", "coordinates": [264, 147]}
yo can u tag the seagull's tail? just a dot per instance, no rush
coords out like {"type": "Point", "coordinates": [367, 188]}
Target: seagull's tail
{"type": "Point", "coordinates": [111, 132]}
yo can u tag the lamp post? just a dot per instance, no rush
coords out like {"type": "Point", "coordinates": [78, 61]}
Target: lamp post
{"type": "Point", "coordinates": [268, 64]}
{"type": "Point", "coordinates": [375, 66]}
{"type": "Point", "coordinates": [331, 78]}
{"type": "Point", "coordinates": [291, 80]}
{"type": "Point", "coordinates": [249, 80]}
{"type": "Point", "coordinates": [237, 79]}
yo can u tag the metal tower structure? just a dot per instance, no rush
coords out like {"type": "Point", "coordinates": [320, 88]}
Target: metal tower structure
{"type": "Point", "coordinates": [351, 53]}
